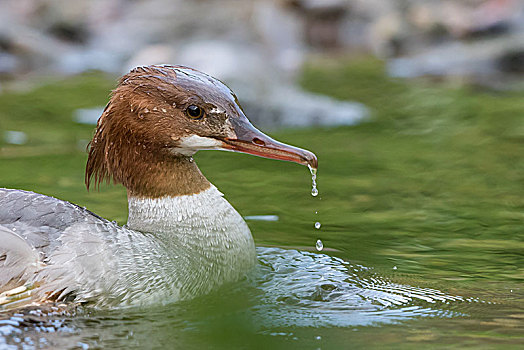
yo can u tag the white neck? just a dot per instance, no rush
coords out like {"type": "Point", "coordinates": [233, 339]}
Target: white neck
{"type": "Point", "coordinates": [204, 235]}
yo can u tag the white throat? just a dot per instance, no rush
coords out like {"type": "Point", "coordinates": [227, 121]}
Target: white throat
{"type": "Point", "coordinates": [178, 213]}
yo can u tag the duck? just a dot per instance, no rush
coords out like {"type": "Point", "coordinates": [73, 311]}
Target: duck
{"type": "Point", "coordinates": [182, 238]}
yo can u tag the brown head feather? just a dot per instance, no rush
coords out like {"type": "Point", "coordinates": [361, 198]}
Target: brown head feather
{"type": "Point", "coordinates": [144, 122]}
{"type": "Point", "coordinates": [146, 135]}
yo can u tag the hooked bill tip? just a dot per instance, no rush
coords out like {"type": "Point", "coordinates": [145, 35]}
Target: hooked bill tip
{"type": "Point", "coordinates": [311, 160]}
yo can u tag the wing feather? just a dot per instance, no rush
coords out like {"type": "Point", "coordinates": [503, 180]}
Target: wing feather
{"type": "Point", "coordinates": [18, 260]}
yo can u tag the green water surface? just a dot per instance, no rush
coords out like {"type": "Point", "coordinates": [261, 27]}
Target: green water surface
{"type": "Point", "coordinates": [428, 193]}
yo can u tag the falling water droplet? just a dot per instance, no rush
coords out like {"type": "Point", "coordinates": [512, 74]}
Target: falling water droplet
{"type": "Point", "coordinates": [313, 171]}
{"type": "Point", "coordinates": [317, 225]}
{"type": "Point", "coordinates": [319, 245]}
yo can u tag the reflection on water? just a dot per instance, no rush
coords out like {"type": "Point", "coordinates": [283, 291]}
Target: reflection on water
{"type": "Point", "coordinates": [289, 289]}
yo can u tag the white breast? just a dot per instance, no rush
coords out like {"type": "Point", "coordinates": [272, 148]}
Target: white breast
{"type": "Point", "coordinates": [206, 239]}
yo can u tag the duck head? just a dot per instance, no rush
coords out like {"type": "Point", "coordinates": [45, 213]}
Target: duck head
{"type": "Point", "coordinates": [158, 117]}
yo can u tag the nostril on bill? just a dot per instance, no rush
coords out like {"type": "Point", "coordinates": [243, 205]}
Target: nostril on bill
{"type": "Point", "coordinates": [258, 141]}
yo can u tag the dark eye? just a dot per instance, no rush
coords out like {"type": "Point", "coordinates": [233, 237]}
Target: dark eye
{"type": "Point", "coordinates": [194, 112]}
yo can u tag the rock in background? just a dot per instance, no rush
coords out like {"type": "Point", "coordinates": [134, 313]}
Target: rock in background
{"type": "Point", "coordinates": [259, 46]}
{"type": "Point", "coordinates": [255, 47]}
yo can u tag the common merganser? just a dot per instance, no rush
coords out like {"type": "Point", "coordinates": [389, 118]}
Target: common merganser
{"type": "Point", "coordinates": [182, 238]}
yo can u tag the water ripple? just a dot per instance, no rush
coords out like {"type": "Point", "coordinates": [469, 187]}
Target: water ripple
{"type": "Point", "coordinates": [289, 288]}
{"type": "Point", "coordinates": [306, 289]}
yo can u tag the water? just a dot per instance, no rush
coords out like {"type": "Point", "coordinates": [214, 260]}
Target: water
{"type": "Point", "coordinates": [426, 198]}
{"type": "Point", "coordinates": [424, 250]}
{"type": "Point", "coordinates": [288, 290]}
{"type": "Point", "coordinates": [314, 190]}
{"type": "Point", "coordinates": [261, 217]}
{"type": "Point", "coordinates": [403, 269]}
{"type": "Point", "coordinates": [319, 245]}
{"type": "Point", "coordinates": [385, 281]}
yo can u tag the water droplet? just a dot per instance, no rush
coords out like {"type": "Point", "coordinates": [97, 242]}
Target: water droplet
{"type": "Point", "coordinates": [317, 225]}
{"type": "Point", "coordinates": [314, 190]}
{"type": "Point", "coordinates": [394, 267]}
{"type": "Point", "coordinates": [319, 245]}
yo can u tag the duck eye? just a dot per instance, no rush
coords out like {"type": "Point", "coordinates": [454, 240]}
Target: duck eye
{"type": "Point", "coordinates": [194, 112]}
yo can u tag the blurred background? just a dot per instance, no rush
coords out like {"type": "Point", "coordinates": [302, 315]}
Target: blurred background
{"type": "Point", "coordinates": [478, 40]}
{"type": "Point", "coordinates": [415, 109]}
{"type": "Point", "coordinates": [260, 47]}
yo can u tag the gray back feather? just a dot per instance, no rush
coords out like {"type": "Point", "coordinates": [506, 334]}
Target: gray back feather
{"type": "Point", "coordinates": [18, 260]}
{"type": "Point", "coordinates": [31, 229]}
